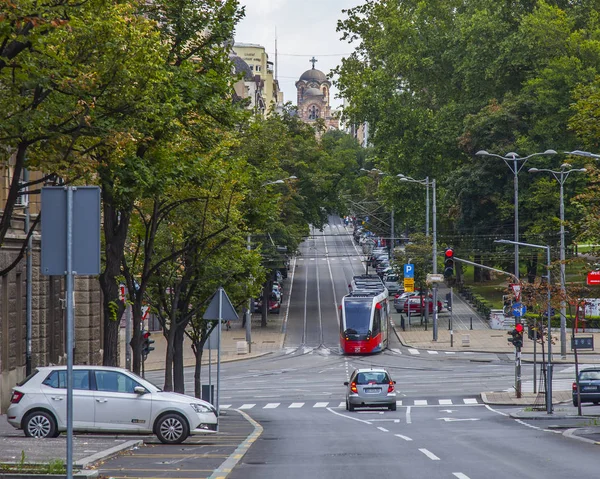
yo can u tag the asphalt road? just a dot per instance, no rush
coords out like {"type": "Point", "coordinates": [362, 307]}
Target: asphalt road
{"type": "Point", "coordinates": [441, 429]}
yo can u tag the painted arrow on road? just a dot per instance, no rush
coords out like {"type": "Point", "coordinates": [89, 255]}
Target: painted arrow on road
{"type": "Point", "coordinates": [451, 419]}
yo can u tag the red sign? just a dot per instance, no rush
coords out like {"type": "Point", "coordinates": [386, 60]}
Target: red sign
{"type": "Point", "coordinates": [593, 278]}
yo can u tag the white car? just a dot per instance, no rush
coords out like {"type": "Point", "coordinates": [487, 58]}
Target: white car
{"type": "Point", "coordinates": [106, 399]}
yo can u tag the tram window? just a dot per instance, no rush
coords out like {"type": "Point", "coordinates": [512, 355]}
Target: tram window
{"type": "Point", "coordinates": [358, 316]}
{"type": "Point", "coordinates": [376, 323]}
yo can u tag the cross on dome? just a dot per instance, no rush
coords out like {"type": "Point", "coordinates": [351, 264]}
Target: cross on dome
{"type": "Point", "coordinates": [313, 60]}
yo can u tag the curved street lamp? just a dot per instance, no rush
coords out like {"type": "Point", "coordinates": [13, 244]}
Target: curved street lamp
{"type": "Point", "coordinates": [512, 160]}
{"type": "Point", "coordinates": [561, 176]}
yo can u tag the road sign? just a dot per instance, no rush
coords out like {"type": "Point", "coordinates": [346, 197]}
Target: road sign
{"type": "Point", "coordinates": [517, 291]}
{"type": "Point", "coordinates": [582, 343]}
{"type": "Point", "coordinates": [435, 278]}
{"type": "Point", "coordinates": [409, 271]}
{"type": "Point", "coordinates": [545, 312]}
{"type": "Point", "coordinates": [519, 309]}
{"type": "Point", "coordinates": [226, 313]}
{"type": "Point", "coordinates": [593, 277]}
{"type": "Point", "coordinates": [409, 285]}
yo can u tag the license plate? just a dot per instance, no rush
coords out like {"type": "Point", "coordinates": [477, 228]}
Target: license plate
{"type": "Point", "coordinates": [589, 388]}
{"type": "Point", "coordinates": [372, 390]}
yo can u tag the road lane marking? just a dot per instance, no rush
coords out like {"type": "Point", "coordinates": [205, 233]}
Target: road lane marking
{"type": "Point", "coordinates": [295, 405]}
{"type": "Point", "coordinates": [432, 352]}
{"type": "Point", "coordinates": [408, 419]}
{"type": "Point", "coordinates": [272, 405]}
{"type": "Point", "coordinates": [398, 403]}
{"type": "Point", "coordinates": [224, 406]}
{"type": "Point", "coordinates": [413, 351]}
{"type": "Point", "coordinates": [406, 438]}
{"type": "Point", "coordinates": [227, 466]}
{"type": "Point", "coordinates": [383, 429]}
{"type": "Point", "coordinates": [420, 402]}
{"type": "Point", "coordinates": [460, 475]}
{"type": "Point", "coordinates": [321, 404]}
{"type": "Point", "coordinates": [348, 417]}
{"type": "Point", "coordinates": [470, 401]}
{"type": "Point", "coordinates": [342, 404]}
{"type": "Point", "coordinates": [247, 406]}
{"type": "Point", "coordinates": [450, 352]}
{"type": "Point", "coordinates": [430, 454]}
{"type": "Point", "coordinates": [445, 402]}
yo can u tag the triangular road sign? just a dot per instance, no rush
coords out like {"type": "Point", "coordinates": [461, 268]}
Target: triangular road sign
{"type": "Point", "coordinates": [227, 311]}
{"type": "Point", "coordinates": [517, 290]}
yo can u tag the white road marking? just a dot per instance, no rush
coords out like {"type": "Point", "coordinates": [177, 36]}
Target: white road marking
{"type": "Point", "coordinates": [394, 350]}
{"type": "Point", "coordinates": [450, 352]}
{"type": "Point", "coordinates": [406, 438]}
{"type": "Point", "coordinates": [449, 411]}
{"type": "Point", "coordinates": [342, 404]}
{"type": "Point", "coordinates": [432, 352]}
{"type": "Point", "coordinates": [408, 419]}
{"type": "Point", "coordinates": [348, 417]}
{"type": "Point", "coordinates": [470, 401]}
{"type": "Point", "coordinates": [312, 259]}
{"type": "Point", "coordinates": [321, 404]}
{"type": "Point", "coordinates": [383, 429]}
{"type": "Point", "coordinates": [247, 406]}
{"type": "Point", "coordinates": [445, 402]}
{"type": "Point", "coordinates": [420, 402]}
{"type": "Point", "coordinates": [430, 454]}
{"type": "Point", "coordinates": [460, 475]}
{"type": "Point", "coordinates": [451, 419]}
{"type": "Point", "coordinates": [413, 351]}
{"type": "Point", "coordinates": [296, 405]}
{"type": "Point", "coordinates": [272, 405]}
{"type": "Point", "coordinates": [398, 403]}
{"type": "Point", "coordinates": [224, 406]}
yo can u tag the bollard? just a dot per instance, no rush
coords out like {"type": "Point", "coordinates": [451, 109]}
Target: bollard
{"type": "Point", "coordinates": [402, 322]}
{"type": "Point", "coordinates": [471, 328]}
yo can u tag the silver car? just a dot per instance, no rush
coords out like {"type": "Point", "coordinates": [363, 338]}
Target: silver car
{"type": "Point", "coordinates": [106, 399]}
{"type": "Point", "coordinates": [370, 387]}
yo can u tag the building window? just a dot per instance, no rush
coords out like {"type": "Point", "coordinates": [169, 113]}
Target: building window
{"type": "Point", "coordinates": [313, 113]}
{"type": "Point", "coordinates": [251, 67]}
{"type": "Point", "coordinates": [257, 68]}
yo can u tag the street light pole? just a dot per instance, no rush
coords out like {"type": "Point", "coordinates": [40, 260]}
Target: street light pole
{"type": "Point", "coordinates": [427, 207]}
{"type": "Point", "coordinates": [515, 168]}
{"type": "Point", "coordinates": [561, 176]}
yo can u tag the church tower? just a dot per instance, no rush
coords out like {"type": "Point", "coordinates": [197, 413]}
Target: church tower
{"type": "Point", "coordinates": [313, 89]}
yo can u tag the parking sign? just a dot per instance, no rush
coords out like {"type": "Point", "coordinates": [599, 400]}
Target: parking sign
{"type": "Point", "coordinates": [409, 270]}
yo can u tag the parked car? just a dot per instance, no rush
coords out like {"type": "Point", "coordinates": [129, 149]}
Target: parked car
{"type": "Point", "coordinates": [106, 399]}
{"type": "Point", "coordinates": [417, 306]}
{"type": "Point", "coordinates": [589, 386]}
{"type": "Point", "coordinates": [370, 387]}
{"type": "Point", "coordinates": [392, 284]}
{"type": "Point", "coordinates": [400, 299]}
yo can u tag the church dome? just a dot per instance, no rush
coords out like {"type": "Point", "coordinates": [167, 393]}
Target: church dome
{"type": "Point", "coordinates": [313, 92]}
{"type": "Point", "coordinates": [314, 75]}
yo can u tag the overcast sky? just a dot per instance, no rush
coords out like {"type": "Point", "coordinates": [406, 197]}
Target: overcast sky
{"type": "Point", "coordinates": [304, 28]}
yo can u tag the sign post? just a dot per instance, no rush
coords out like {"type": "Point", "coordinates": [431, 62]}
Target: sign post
{"type": "Point", "coordinates": [70, 246]}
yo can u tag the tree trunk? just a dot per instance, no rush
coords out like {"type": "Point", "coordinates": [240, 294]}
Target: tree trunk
{"type": "Point", "coordinates": [136, 336]}
{"type": "Point", "coordinates": [198, 350]}
{"type": "Point", "coordinates": [178, 376]}
{"type": "Point", "coordinates": [476, 270]}
{"type": "Point", "coordinates": [532, 268]}
{"type": "Point", "coordinates": [168, 385]}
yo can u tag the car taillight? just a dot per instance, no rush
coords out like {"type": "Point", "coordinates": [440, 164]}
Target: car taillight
{"type": "Point", "coordinates": [396, 296]}
{"type": "Point", "coordinates": [391, 387]}
{"type": "Point", "coordinates": [16, 397]}
{"type": "Point", "coordinates": [353, 388]}
{"type": "Point", "coordinates": [574, 387]}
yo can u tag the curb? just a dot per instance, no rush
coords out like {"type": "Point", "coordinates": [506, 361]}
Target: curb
{"type": "Point", "coordinates": [113, 451]}
{"type": "Point", "coordinates": [227, 466]}
{"type": "Point", "coordinates": [572, 434]}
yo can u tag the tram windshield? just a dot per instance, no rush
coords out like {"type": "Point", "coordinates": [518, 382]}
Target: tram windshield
{"type": "Point", "coordinates": [358, 316]}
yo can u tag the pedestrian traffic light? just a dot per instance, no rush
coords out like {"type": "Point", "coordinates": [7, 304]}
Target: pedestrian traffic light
{"type": "Point", "coordinates": [146, 343]}
{"type": "Point", "coordinates": [449, 301]}
{"type": "Point", "coordinates": [448, 262]}
{"type": "Point", "coordinates": [517, 336]}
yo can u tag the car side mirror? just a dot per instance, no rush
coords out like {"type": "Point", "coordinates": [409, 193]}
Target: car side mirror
{"type": "Point", "coordinates": [345, 383]}
{"type": "Point", "coordinates": [140, 390]}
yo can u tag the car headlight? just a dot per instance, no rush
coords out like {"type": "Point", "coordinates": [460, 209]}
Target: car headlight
{"type": "Point", "coordinates": [200, 407]}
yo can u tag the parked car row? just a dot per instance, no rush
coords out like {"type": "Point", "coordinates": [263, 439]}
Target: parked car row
{"type": "Point", "coordinates": [413, 302]}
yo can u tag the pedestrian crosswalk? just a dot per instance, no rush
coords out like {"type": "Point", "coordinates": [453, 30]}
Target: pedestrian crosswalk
{"type": "Point", "coordinates": [431, 352]}
{"type": "Point", "coordinates": [342, 404]}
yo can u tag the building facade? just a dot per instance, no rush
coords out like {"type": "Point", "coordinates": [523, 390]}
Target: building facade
{"type": "Point", "coordinates": [313, 95]}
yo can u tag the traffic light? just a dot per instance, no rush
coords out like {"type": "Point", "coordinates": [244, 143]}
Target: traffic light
{"type": "Point", "coordinates": [517, 336]}
{"type": "Point", "coordinates": [533, 333]}
{"type": "Point", "coordinates": [146, 343]}
{"type": "Point", "coordinates": [448, 262]}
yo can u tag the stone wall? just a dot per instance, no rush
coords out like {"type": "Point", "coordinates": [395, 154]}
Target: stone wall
{"type": "Point", "coordinates": [48, 317]}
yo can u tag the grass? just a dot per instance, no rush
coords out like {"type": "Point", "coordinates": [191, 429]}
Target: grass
{"type": "Point", "coordinates": [55, 466]}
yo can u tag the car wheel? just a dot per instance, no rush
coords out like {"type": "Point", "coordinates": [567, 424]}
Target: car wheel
{"type": "Point", "coordinates": [393, 407]}
{"type": "Point", "coordinates": [350, 406]}
{"type": "Point", "coordinates": [575, 402]}
{"type": "Point", "coordinates": [347, 407]}
{"type": "Point", "coordinates": [172, 429]}
{"type": "Point", "coordinates": [40, 424]}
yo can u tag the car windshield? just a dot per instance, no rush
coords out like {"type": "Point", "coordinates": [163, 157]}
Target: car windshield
{"type": "Point", "coordinates": [358, 316]}
{"type": "Point", "coordinates": [372, 377]}
{"type": "Point", "coordinates": [589, 375]}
